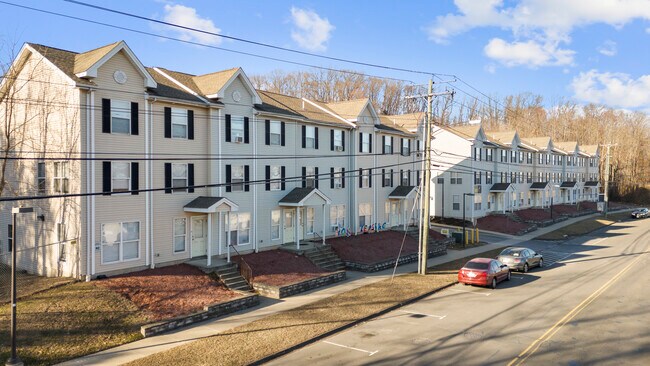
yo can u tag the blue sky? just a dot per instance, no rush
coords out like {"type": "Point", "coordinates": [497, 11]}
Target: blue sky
{"type": "Point", "coordinates": [583, 50]}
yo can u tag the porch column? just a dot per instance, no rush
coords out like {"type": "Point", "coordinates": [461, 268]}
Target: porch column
{"type": "Point", "coordinates": [504, 202]}
{"type": "Point", "coordinates": [219, 233]}
{"type": "Point", "coordinates": [228, 236]}
{"type": "Point", "coordinates": [323, 224]}
{"type": "Point", "coordinates": [404, 218]}
{"type": "Point", "coordinates": [296, 227]}
{"type": "Point", "coordinates": [209, 239]}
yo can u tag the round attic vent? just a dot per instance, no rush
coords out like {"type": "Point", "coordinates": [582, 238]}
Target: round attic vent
{"type": "Point", "coordinates": [120, 77]}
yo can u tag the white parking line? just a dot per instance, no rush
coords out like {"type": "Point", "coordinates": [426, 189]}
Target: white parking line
{"type": "Point", "coordinates": [370, 353]}
{"type": "Point", "coordinates": [597, 241]}
{"type": "Point", "coordinates": [429, 315]}
{"type": "Point", "coordinates": [471, 292]}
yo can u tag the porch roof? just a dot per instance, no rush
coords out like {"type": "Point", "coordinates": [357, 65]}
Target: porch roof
{"type": "Point", "coordinates": [500, 187]}
{"type": "Point", "coordinates": [402, 192]}
{"type": "Point", "coordinates": [538, 186]}
{"type": "Point", "coordinates": [592, 183]}
{"type": "Point", "coordinates": [568, 184]}
{"type": "Point", "coordinates": [209, 204]}
{"type": "Point", "coordinates": [299, 197]}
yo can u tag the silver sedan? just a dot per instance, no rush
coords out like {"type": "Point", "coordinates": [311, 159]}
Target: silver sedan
{"type": "Point", "coordinates": [521, 259]}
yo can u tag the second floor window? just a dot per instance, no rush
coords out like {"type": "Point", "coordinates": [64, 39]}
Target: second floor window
{"type": "Point", "coordinates": [365, 140]}
{"type": "Point", "coordinates": [61, 178]}
{"type": "Point", "coordinates": [504, 156]}
{"type": "Point", "coordinates": [488, 177]}
{"type": "Point", "coordinates": [456, 178]}
{"type": "Point", "coordinates": [275, 133]}
{"type": "Point", "coordinates": [179, 123]}
{"type": "Point", "coordinates": [405, 178]}
{"type": "Point", "coordinates": [488, 154]}
{"type": "Point", "coordinates": [41, 182]}
{"type": "Point", "coordinates": [275, 178]}
{"type": "Point", "coordinates": [237, 129]}
{"type": "Point", "coordinates": [337, 140]}
{"type": "Point", "coordinates": [406, 147]}
{"type": "Point", "coordinates": [310, 137]}
{"type": "Point", "coordinates": [388, 144]}
{"type": "Point", "coordinates": [120, 176]}
{"type": "Point", "coordinates": [179, 177]}
{"type": "Point", "coordinates": [120, 117]}
{"type": "Point", "coordinates": [237, 178]}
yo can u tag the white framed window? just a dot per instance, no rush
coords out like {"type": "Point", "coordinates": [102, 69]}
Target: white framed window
{"type": "Point", "coordinates": [179, 177]}
{"type": "Point", "coordinates": [387, 178]}
{"type": "Point", "coordinates": [276, 178]}
{"type": "Point", "coordinates": [61, 239]}
{"type": "Point", "coordinates": [338, 178]}
{"type": "Point", "coordinates": [338, 140]}
{"type": "Point", "coordinates": [488, 154]}
{"type": "Point", "coordinates": [310, 177]}
{"type": "Point", "coordinates": [365, 142]}
{"type": "Point", "coordinates": [311, 218]}
{"type": "Point", "coordinates": [61, 179]}
{"type": "Point", "coordinates": [237, 178]}
{"type": "Point", "coordinates": [365, 214]}
{"type": "Point", "coordinates": [478, 202]}
{"type": "Point", "coordinates": [179, 123]}
{"type": "Point", "coordinates": [120, 241]}
{"type": "Point", "coordinates": [275, 130]}
{"type": "Point", "coordinates": [120, 176]}
{"type": "Point", "coordinates": [120, 117]}
{"type": "Point", "coordinates": [488, 177]}
{"type": "Point", "coordinates": [237, 129]}
{"type": "Point", "coordinates": [240, 228]}
{"type": "Point", "coordinates": [275, 224]}
{"type": "Point", "coordinates": [405, 177]}
{"type": "Point", "coordinates": [477, 154]}
{"type": "Point", "coordinates": [455, 202]}
{"type": "Point", "coordinates": [406, 151]}
{"type": "Point", "coordinates": [337, 216]}
{"type": "Point", "coordinates": [310, 137]}
{"type": "Point", "coordinates": [41, 182]}
{"type": "Point", "coordinates": [180, 234]}
{"type": "Point", "coordinates": [455, 178]}
{"type": "Point", "coordinates": [365, 178]}
{"type": "Point", "coordinates": [388, 145]}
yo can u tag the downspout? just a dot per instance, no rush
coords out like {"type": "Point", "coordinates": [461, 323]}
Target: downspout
{"type": "Point", "coordinates": [353, 182]}
{"type": "Point", "coordinates": [89, 238]}
{"type": "Point", "coordinates": [92, 180]}
{"type": "Point", "coordinates": [147, 229]}
{"type": "Point", "coordinates": [254, 140]}
{"type": "Point", "coordinates": [375, 211]}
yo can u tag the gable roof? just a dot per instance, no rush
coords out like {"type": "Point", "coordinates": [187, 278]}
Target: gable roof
{"type": "Point", "coordinates": [296, 107]}
{"type": "Point", "coordinates": [62, 59]}
{"type": "Point", "coordinates": [387, 125]}
{"type": "Point", "coordinates": [541, 143]}
{"type": "Point", "coordinates": [503, 137]}
{"type": "Point", "coordinates": [212, 83]}
{"type": "Point", "coordinates": [298, 196]}
{"type": "Point", "coordinates": [84, 61]}
{"type": "Point", "coordinates": [350, 109]}
{"type": "Point", "coordinates": [592, 150]}
{"type": "Point", "coordinates": [401, 192]}
{"type": "Point", "coordinates": [409, 121]}
{"type": "Point", "coordinates": [468, 131]}
{"type": "Point", "coordinates": [168, 89]}
{"type": "Point", "coordinates": [568, 146]}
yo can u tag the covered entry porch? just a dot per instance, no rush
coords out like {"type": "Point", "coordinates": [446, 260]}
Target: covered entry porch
{"type": "Point", "coordinates": [590, 191]}
{"type": "Point", "coordinates": [541, 194]}
{"type": "Point", "coordinates": [297, 222]}
{"type": "Point", "coordinates": [399, 209]}
{"type": "Point", "coordinates": [502, 196]}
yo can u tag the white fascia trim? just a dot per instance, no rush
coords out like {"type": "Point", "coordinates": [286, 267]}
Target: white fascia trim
{"type": "Point", "coordinates": [531, 147]}
{"type": "Point", "coordinates": [220, 93]}
{"type": "Point", "coordinates": [330, 113]}
{"type": "Point", "coordinates": [149, 82]}
{"type": "Point", "coordinates": [180, 85]}
{"type": "Point", "coordinates": [180, 101]}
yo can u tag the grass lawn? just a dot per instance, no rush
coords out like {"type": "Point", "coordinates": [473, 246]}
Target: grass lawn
{"type": "Point", "coordinates": [251, 342]}
{"type": "Point", "coordinates": [26, 284]}
{"type": "Point", "coordinates": [70, 321]}
{"type": "Point", "coordinates": [584, 227]}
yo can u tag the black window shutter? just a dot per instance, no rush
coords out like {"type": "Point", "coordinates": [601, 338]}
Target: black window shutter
{"type": "Point", "coordinates": [282, 175]}
{"type": "Point", "coordinates": [190, 178]}
{"type": "Point", "coordinates": [360, 178]}
{"type": "Point", "coordinates": [316, 138]}
{"type": "Point", "coordinates": [134, 118]}
{"type": "Point", "coordinates": [409, 146]}
{"type": "Point", "coordinates": [106, 178]}
{"type": "Point", "coordinates": [106, 115]}
{"type": "Point", "coordinates": [168, 177]}
{"type": "Point", "coordinates": [383, 144]}
{"type": "Point", "coordinates": [343, 177]}
{"type": "Point", "coordinates": [370, 178]}
{"type": "Point", "coordinates": [247, 178]}
{"type": "Point", "coordinates": [304, 176]}
{"type": "Point", "coordinates": [316, 178]}
{"type": "Point", "coordinates": [268, 177]}
{"type": "Point", "coordinates": [401, 145]}
{"type": "Point", "coordinates": [360, 141]}
{"type": "Point", "coordinates": [332, 178]}
{"type": "Point", "coordinates": [228, 131]}
{"type": "Point", "coordinates": [190, 125]}
{"type": "Point", "coordinates": [228, 178]}
{"type": "Point", "coordinates": [332, 140]}
{"type": "Point", "coordinates": [282, 134]}
{"type": "Point", "coordinates": [304, 136]}
{"type": "Point", "coordinates": [343, 139]}
{"type": "Point", "coordinates": [246, 140]}
{"type": "Point", "coordinates": [408, 173]}
{"type": "Point", "coordinates": [267, 133]}
{"type": "Point", "coordinates": [383, 177]}
{"type": "Point", "coordinates": [370, 142]}
{"type": "Point", "coordinates": [392, 145]}
{"type": "Point", "coordinates": [392, 174]}
{"type": "Point", "coordinates": [168, 122]}
{"type": "Point", "coordinates": [135, 179]}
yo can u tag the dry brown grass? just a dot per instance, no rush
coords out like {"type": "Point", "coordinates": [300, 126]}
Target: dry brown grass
{"type": "Point", "coordinates": [259, 339]}
{"type": "Point", "coordinates": [584, 227]}
{"type": "Point", "coordinates": [26, 284]}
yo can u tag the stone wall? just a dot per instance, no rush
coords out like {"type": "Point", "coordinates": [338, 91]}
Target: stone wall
{"type": "Point", "coordinates": [279, 292]}
{"type": "Point", "coordinates": [210, 311]}
{"type": "Point", "coordinates": [436, 248]}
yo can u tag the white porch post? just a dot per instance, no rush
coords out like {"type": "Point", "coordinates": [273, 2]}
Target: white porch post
{"type": "Point", "coordinates": [296, 227]}
{"type": "Point", "coordinates": [219, 233]}
{"type": "Point", "coordinates": [404, 214]}
{"type": "Point", "coordinates": [209, 239]}
{"type": "Point", "coordinates": [228, 236]}
{"type": "Point", "coordinates": [504, 202]}
{"type": "Point", "coordinates": [323, 224]}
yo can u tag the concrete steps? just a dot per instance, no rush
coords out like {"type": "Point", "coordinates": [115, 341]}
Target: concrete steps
{"type": "Point", "coordinates": [325, 258]}
{"type": "Point", "coordinates": [230, 276]}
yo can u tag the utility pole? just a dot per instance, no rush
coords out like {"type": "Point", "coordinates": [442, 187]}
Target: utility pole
{"type": "Point", "coordinates": [607, 177]}
{"type": "Point", "coordinates": [426, 180]}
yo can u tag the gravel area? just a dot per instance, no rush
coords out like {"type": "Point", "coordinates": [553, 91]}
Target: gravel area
{"type": "Point", "coordinates": [373, 248]}
{"type": "Point", "coordinates": [278, 267]}
{"type": "Point", "coordinates": [171, 291]}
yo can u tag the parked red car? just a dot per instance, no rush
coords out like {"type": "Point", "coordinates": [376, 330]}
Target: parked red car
{"type": "Point", "coordinates": [483, 272]}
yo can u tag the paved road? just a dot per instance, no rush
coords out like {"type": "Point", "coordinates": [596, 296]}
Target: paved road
{"type": "Point", "coordinates": [589, 305]}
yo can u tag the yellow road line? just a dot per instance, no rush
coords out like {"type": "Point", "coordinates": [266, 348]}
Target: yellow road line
{"type": "Point", "coordinates": [520, 359]}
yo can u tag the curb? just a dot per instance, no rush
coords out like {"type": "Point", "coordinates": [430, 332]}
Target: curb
{"type": "Point", "coordinates": [350, 325]}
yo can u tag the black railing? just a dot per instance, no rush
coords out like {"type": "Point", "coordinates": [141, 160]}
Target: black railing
{"type": "Point", "coordinates": [244, 269]}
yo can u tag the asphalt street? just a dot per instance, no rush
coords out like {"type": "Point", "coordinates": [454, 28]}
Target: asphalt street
{"type": "Point", "coordinates": [590, 304]}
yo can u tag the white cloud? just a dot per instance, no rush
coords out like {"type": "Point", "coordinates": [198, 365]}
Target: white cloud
{"type": "Point", "coordinates": [530, 53]}
{"type": "Point", "coordinates": [311, 31]}
{"type": "Point", "coordinates": [647, 30]}
{"type": "Point", "coordinates": [188, 17]}
{"type": "Point", "coordinates": [543, 21]}
{"type": "Point", "coordinates": [612, 89]}
{"type": "Point", "coordinates": [608, 48]}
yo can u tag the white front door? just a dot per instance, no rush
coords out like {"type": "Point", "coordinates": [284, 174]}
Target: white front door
{"type": "Point", "coordinates": [289, 234]}
{"type": "Point", "coordinates": [199, 236]}
{"type": "Point", "coordinates": [301, 225]}
{"type": "Point", "coordinates": [395, 213]}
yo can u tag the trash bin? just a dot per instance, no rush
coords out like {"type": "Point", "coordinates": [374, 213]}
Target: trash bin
{"type": "Point", "coordinates": [458, 236]}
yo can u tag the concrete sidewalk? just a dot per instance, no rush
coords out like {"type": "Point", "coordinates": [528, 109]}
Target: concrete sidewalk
{"type": "Point", "coordinates": [142, 348]}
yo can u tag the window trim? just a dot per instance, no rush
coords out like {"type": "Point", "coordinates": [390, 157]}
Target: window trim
{"type": "Point", "coordinates": [177, 113]}
{"type": "Point", "coordinates": [64, 178]}
{"type": "Point", "coordinates": [335, 225]}
{"type": "Point", "coordinates": [279, 225]}
{"type": "Point", "coordinates": [128, 169]}
{"type": "Point", "coordinates": [235, 121]}
{"type": "Point", "coordinates": [62, 241]}
{"type": "Point", "coordinates": [41, 179]}
{"type": "Point", "coordinates": [128, 113]}
{"type": "Point", "coordinates": [237, 214]}
{"type": "Point", "coordinates": [232, 178]}
{"type": "Point", "coordinates": [174, 235]}
{"type": "Point", "coordinates": [121, 244]}
{"type": "Point", "coordinates": [275, 182]}
{"type": "Point", "coordinates": [271, 133]}
{"type": "Point", "coordinates": [187, 179]}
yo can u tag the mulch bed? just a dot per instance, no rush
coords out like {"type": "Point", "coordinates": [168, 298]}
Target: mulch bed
{"type": "Point", "coordinates": [501, 224]}
{"type": "Point", "coordinates": [569, 209]}
{"type": "Point", "coordinates": [450, 221]}
{"type": "Point", "coordinates": [534, 214]}
{"type": "Point", "coordinates": [373, 248]}
{"type": "Point", "coordinates": [167, 292]}
{"type": "Point", "coordinates": [279, 267]}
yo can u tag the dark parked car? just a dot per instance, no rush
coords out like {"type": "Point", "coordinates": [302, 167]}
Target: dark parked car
{"type": "Point", "coordinates": [483, 272]}
{"type": "Point", "coordinates": [521, 259]}
{"type": "Point", "coordinates": [640, 213]}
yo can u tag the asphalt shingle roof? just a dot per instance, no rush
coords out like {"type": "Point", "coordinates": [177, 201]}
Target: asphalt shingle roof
{"type": "Point", "coordinates": [203, 202]}
{"type": "Point", "coordinates": [539, 185]}
{"type": "Point", "coordinates": [401, 191]}
{"type": "Point", "coordinates": [499, 187]}
{"type": "Point", "coordinates": [568, 184]}
{"type": "Point", "coordinates": [297, 195]}
{"type": "Point", "coordinates": [591, 183]}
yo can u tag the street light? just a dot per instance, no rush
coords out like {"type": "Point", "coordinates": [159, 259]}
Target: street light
{"type": "Point", "coordinates": [14, 360]}
{"type": "Point", "coordinates": [465, 195]}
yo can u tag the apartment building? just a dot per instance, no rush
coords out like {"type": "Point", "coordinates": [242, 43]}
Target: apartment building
{"type": "Point", "coordinates": [501, 171]}
{"type": "Point", "coordinates": [153, 166]}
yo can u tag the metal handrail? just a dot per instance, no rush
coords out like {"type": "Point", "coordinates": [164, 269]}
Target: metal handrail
{"type": "Point", "coordinates": [245, 269]}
